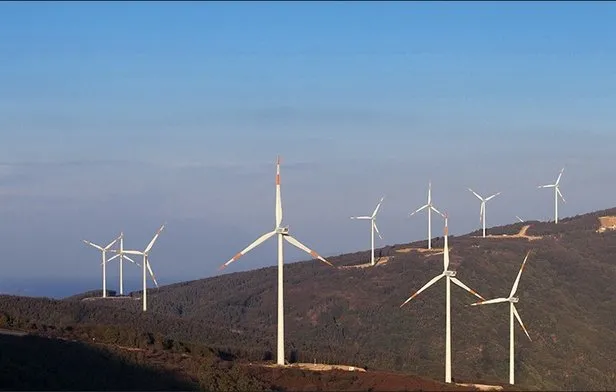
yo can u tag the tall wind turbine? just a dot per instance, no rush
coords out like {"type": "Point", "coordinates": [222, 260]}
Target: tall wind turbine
{"type": "Point", "coordinates": [556, 194]}
{"type": "Point", "coordinates": [146, 264]}
{"type": "Point", "coordinates": [373, 227]}
{"type": "Point", "coordinates": [512, 312]}
{"type": "Point", "coordinates": [104, 253]}
{"type": "Point", "coordinates": [121, 254]}
{"type": "Point", "coordinates": [482, 209]}
{"type": "Point", "coordinates": [449, 277]}
{"type": "Point", "coordinates": [430, 208]}
{"type": "Point", "coordinates": [283, 232]}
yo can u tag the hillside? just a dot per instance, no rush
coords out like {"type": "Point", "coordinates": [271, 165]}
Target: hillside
{"type": "Point", "coordinates": [352, 315]}
{"type": "Point", "coordinates": [99, 357]}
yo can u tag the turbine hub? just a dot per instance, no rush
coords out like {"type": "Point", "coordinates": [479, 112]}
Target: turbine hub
{"type": "Point", "coordinates": [514, 299]}
{"type": "Point", "coordinates": [451, 274]}
{"type": "Point", "coordinates": [282, 230]}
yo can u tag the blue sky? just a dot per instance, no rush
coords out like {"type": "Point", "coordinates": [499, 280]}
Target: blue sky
{"type": "Point", "coordinates": [121, 116]}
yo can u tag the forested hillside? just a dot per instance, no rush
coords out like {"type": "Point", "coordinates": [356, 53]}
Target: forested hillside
{"type": "Point", "coordinates": [352, 315]}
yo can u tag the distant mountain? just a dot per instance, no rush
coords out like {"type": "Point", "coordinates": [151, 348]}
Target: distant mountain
{"type": "Point", "coordinates": [351, 315]}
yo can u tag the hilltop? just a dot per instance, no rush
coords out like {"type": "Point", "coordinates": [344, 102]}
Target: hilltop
{"type": "Point", "coordinates": [352, 315]}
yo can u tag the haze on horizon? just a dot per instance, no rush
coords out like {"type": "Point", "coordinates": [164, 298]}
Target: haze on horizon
{"type": "Point", "coordinates": [122, 116]}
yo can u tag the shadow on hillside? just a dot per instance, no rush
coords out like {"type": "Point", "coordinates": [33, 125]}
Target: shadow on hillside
{"type": "Point", "coordinates": [36, 363]}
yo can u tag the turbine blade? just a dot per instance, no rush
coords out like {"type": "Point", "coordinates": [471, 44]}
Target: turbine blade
{"type": "Point", "coordinates": [278, 196]}
{"type": "Point", "coordinates": [361, 217]}
{"type": "Point", "coordinates": [419, 209]}
{"type": "Point", "coordinates": [303, 247]}
{"type": "Point", "coordinates": [131, 260]}
{"type": "Point", "coordinates": [94, 245]}
{"type": "Point", "coordinates": [151, 244]}
{"type": "Point", "coordinates": [481, 209]}
{"type": "Point", "coordinates": [491, 301]}
{"type": "Point", "coordinates": [437, 211]}
{"type": "Point", "coordinates": [517, 279]}
{"type": "Point", "coordinates": [465, 287]}
{"type": "Point", "coordinates": [430, 192]}
{"type": "Point", "coordinates": [377, 229]}
{"type": "Point", "coordinates": [475, 193]}
{"type": "Point", "coordinates": [517, 315]}
{"type": "Point", "coordinates": [493, 196]}
{"type": "Point", "coordinates": [430, 283]}
{"type": "Point", "coordinates": [256, 243]}
{"type": "Point", "coordinates": [559, 175]}
{"type": "Point", "coordinates": [376, 210]}
{"type": "Point", "coordinates": [114, 257]}
{"type": "Point", "coordinates": [111, 243]}
{"type": "Point", "coordinates": [150, 271]}
{"type": "Point", "coordinates": [520, 219]}
{"type": "Point", "coordinates": [547, 186]}
{"type": "Point", "coordinates": [560, 194]}
{"type": "Point", "coordinates": [131, 252]}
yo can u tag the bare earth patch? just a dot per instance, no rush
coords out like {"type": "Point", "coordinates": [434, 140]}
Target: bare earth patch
{"type": "Point", "coordinates": [484, 387]}
{"type": "Point", "coordinates": [430, 252]}
{"type": "Point", "coordinates": [110, 298]}
{"type": "Point", "coordinates": [607, 223]}
{"type": "Point", "coordinates": [521, 234]}
{"type": "Point", "coordinates": [320, 367]}
{"type": "Point", "coordinates": [381, 261]}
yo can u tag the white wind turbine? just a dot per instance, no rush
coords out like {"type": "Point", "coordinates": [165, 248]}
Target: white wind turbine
{"type": "Point", "coordinates": [146, 264]}
{"type": "Point", "coordinates": [121, 254]}
{"type": "Point", "coordinates": [449, 277]}
{"type": "Point", "coordinates": [104, 251]}
{"type": "Point", "coordinates": [556, 194]}
{"type": "Point", "coordinates": [283, 232]}
{"type": "Point", "coordinates": [482, 209]}
{"type": "Point", "coordinates": [512, 312]}
{"type": "Point", "coordinates": [373, 226]}
{"type": "Point", "coordinates": [430, 208]}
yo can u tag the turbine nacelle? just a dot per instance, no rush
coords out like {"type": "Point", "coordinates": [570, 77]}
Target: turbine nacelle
{"type": "Point", "coordinates": [514, 300]}
{"type": "Point", "coordinates": [282, 230]}
{"type": "Point", "coordinates": [451, 274]}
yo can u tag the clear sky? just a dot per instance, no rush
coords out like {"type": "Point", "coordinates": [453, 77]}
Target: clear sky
{"type": "Point", "coordinates": [121, 116]}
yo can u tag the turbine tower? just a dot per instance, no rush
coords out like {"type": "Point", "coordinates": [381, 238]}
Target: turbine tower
{"type": "Point", "coordinates": [104, 251]}
{"type": "Point", "coordinates": [283, 233]}
{"type": "Point", "coordinates": [430, 208]}
{"type": "Point", "coordinates": [449, 277]}
{"type": "Point", "coordinates": [512, 312]}
{"type": "Point", "coordinates": [146, 264]}
{"type": "Point", "coordinates": [373, 227]}
{"type": "Point", "coordinates": [556, 194]}
{"type": "Point", "coordinates": [482, 209]}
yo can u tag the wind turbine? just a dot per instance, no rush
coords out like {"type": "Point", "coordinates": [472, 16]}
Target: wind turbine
{"type": "Point", "coordinates": [373, 226]}
{"type": "Point", "coordinates": [283, 232]}
{"type": "Point", "coordinates": [121, 255]}
{"type": "Point", "coordinates": [146, 264]}
{"type": "Point", "coordinates": [449, 277]}
{"type": "Point", "coordinates": [104, 253]}
{"type": "Point", "coordinates": [512, 312]}
{"type": "Point", "coordinates": [482, 209]}
{"type": "Point", "coordinates": [430, 208]}
{"type": "Point", "coordinates": [556, 194]}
